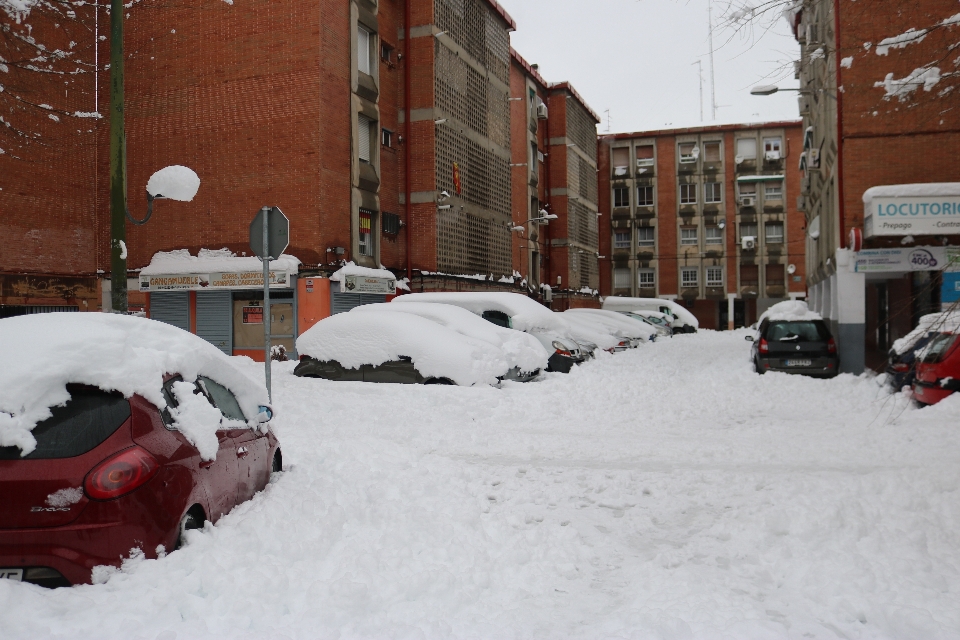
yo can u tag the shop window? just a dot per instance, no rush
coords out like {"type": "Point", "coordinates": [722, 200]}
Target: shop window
{"type": "Point", "coordinates": [621, 197]}
{"type": "Point", "coordinates": [688, 235]}
{"type": "Point", "coordinates": [363, 50]}
{"type": "Point", "coordinates": [365, 247]}
{"type": "Point", "coordinates": [747, 148]}
{"type": "Point", "coordinates": [775, 275]}
{"type": "Point", "coordinates": [773, 232]}
{"type": "Point", "coordinates": [713, 235]}
{"type": "Point", "coordinates": [749, 275]}
{"type": "Point", "coordinates": [689, 277]}
{"type": "Point", "coordinates": [390, 223]}
{"type": "Point", "coordinates": [771, 149]}
{"type": "Point", "coordinates": [621, 240]}
{"type": "Point", "coordinates": [646, 278]}
{"type": "Point", "coordinates": [646, 236]}
{"type": "Point", "coordinates": [773, 190]}
{"type": "Point", "coordinates": [748, 230]}
{"type": "Point", "coordinates": [689, 152]}
{"type": "Point", "coordinates": [712, 192]}
{"type": "Point", "coordinates": [621, 278]}
{"type": "Point", "coordinates": [621, 160]}
{"type": "Point", "coordinates": [645, 155]}
{"type": "Point", "coordinates": [386, 137]}
{"type": "Point", "coordinates": [714, 276]}
{"type": "Point", "coordinates": [711, 152]}
{"type": "Point", "coordinates": [644, 196]}
{"type": "Point", "coordinates": [688, 194]}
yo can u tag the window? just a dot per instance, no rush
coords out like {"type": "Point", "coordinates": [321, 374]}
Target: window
{"type": "Point", "coordinates": [688, 194]}
{"type": "Point", "coordinates": [364, 125]}
{"type": "Point", "coordinates": [621, 197]}
{"type": "Point", "coordinates": [747, 148]}
{"type": "Point", "coordinates": [748, 189]}
{"type": "Point", "coordinates": [771, 149]}
{"type": "Point", "coordinates": [645, 278]}
{"type": "Point", "coordinates": [712, 192]}
{"type": "Point", "coordinates": [646, 236]}
{"type": "Point", "coordinates": [366, 237]}
{"type": "Point", "coordinates": [390, 223]}
{"type": "Point", "coordinates": [644, 196]}
{"type": "Point", "coordinates": [363, 50]}
{"type": "Point", "coordinates": [386, 53]}
{"type": "Point", "coordinates": [714, 276]}
{"type": "Point", "coordinates": [748, 230]}
{"type": "Point", "coordinates": [689, 152]}
{"type": "Point", "coordinates": [774, 232]}
{"type": "Point", "coordinates": [711, 152]}
{"type": "Point", "coordinates": [386, 137]}
{"type": "Point", "coordinates": [713, 235]}
{"type": "Point", "coordinates": [749, 275]}
{"type": "Point", "coordinates": [621, 240]}
{"type": "Point", "coordinates": [773, 190]}
{"type": "Point", "coordinates": [689, 277]}
{"type": "Point", "coordinates": [621, 278]}
{"type": "Point", "coordinates": [534, 157]}
{"type": "Point", "coordinates": [688, 235]}
{"type": "Point", "coordinates": [621, 160]}
{"type": "Point", "coordinates": [645, 155]}
{"type": "Point", "coordinates": [775, 275]}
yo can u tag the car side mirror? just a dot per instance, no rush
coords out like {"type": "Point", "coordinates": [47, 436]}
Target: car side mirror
{"type": "Point", "coordinates": [748, 338]}
{"type": "Point", "coordinates": [265, 414]}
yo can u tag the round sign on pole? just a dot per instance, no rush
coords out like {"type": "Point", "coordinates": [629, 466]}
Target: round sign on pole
{"type": "Point", "coordinates": [855, 239]}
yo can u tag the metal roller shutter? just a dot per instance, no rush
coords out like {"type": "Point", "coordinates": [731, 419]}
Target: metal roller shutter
{"type": "Point", "coordinates": [172, 307]}
{"type": "Point", "coordinates": [343, 302]}
{"type": "Point", "coordinates": [363, 143]}
{"type": "Point", "coordinates": [215, 319]}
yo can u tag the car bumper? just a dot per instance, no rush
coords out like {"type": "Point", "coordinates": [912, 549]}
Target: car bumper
{"type": "Point", "coordinates": [929, 393]}
{"type": "Point", "coordinates": [520, 376]}
{"type": "Point", "coordinates": [563, 364]}
{"type": "Point", "coordinates": [823, 367]}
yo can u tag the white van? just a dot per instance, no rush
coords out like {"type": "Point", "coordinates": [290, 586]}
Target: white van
{"type": "Point", "coordinates": [685, 322]}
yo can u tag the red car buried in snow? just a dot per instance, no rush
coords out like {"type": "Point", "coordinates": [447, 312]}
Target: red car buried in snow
{"type": "Point", "coordinates": [131, 455]}
{"type": "Point", "coordinates": [938, 369]}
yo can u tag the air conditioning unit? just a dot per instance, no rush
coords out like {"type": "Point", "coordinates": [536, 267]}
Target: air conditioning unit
{"type": "Point", "coordinates": [805, 184]}
{"type": "Point", "coordinates": [803, 102]}
{"type": "Point", "coordinates": [539, 156]}
{"type": "Point", "coordinates": [796, 69]}
{"type": "Point", "coordinates": [748, 201]}
{"type": "Point", "coordinates": [748, 243]}
{"type": "Point", "coordinates": [541, 111]}
{"type": "Point", "coordinates": [813, 158]}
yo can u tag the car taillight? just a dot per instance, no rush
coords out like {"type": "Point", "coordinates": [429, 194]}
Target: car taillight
{"type": "Point", "coordinates": [120, 474]}
{"type": "Point", "coordinates": [831, 346]}
{"type": "Point", "coordinates": [623, 343]}
{"type": "Point", "coordinates": [900, 368]}
{"type": "Point", "coordinates": [764, 346]}
{"type": "Point", "coordinates": [564, 353]}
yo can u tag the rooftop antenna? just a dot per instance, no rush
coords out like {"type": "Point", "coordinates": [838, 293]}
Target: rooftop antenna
{"type": "Point", "coordinates": [699, 64]}
{"type": "Point", "coordinates": [608, 120]}
{"type": "Point", "coordinates": [713, 77]}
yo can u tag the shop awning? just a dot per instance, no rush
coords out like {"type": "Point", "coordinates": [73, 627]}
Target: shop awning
{"type": "Point", "coordinates": [758, 178]}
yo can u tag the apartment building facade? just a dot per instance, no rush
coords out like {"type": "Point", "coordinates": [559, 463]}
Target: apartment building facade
{"type": "Point", "coordinates": [705, 216]}
{"type": "Point", "coordinates": [878, 101]}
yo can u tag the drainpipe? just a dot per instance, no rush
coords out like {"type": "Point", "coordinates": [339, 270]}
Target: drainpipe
{"type": "Point", "coordinates": [406, 129]}
{"type": "Point", "coordinates": [841, 209]}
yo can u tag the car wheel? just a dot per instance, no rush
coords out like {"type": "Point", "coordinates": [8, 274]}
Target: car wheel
{"type": "Point", "coordinates": [756, 367]}
{"type": "Point", "coordinates": [190, 520]}
{"type": "Point", "coordinates": [439, 381]}
{"type": "Point", "coordinates": [277, 464]}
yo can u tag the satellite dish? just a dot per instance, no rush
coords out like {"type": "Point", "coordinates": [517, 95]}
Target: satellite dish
{"type": "Point", "coordinates": [791, 269]}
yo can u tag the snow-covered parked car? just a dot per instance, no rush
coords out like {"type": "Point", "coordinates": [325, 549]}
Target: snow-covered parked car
{"type": "Point", "coordinates": [117, 434]}
{"type": "Point", "coordinates": [793, 339]}
{"type": "Point", "coordinates": [514, 311]}
{"type": "Point", "coordinates": [417, 343]}
{"type": "Point", "coordinates": [633, 330]}
{"type": "Point", "coordinates": [661, 321]}
{"type": "Point", "coordinates": [902, 363]}
{"type": "Point", "coordinates": [683, 321]}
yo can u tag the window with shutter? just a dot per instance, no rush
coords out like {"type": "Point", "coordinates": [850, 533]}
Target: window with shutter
{"type": "Point", "coordinates": [645, 155]}
{"type": "Point", "coordinates": [747, 148]}
{"type": "Point", "coordinates": [363, 138]}
{"type": "Point", "coordinates": [621, 278]}
{"type": "Point", "coordinates": [621, 157]}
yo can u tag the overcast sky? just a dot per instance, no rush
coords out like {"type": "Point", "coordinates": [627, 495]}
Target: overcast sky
{"type": "Point", "coordinates": [637, 59]}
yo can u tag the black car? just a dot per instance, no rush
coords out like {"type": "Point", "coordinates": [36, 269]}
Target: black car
{"type": "Point", "coordinates": [795, 346]}
{"type": "Point", "coordinates": [901, 367]}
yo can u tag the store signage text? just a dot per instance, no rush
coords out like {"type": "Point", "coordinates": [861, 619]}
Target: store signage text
{"type": "Point", "coordinates": [219, 280]}
{"type": "Point", "coordinates": [932, 215]}
{"type": "Point", "coordinates": [365, 284]}
{"type": "Point", "coordinates": [902, 260]}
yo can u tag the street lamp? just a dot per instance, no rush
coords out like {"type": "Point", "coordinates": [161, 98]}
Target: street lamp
{"type": "Point", "coordinates": [172, 183]}
{"type": "Point", "coordinates": [769, 90]}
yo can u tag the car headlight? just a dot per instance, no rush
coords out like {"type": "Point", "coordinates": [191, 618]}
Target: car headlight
{"type": "Point", "coordinates": [558, 345]}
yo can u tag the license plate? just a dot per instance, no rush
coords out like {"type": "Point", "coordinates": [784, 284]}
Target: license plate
{"type": "Point", "coordinates": [11, 574]}
{"type": "Point", "coordinates": [798, 363]}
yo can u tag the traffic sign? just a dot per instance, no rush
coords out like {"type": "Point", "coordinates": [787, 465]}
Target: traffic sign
{"type": "Point", "coordinates": [278, 233]}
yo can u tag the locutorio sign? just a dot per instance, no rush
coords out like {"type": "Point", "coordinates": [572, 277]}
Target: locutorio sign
{"type": "Point", "coordinates": [912, 209]}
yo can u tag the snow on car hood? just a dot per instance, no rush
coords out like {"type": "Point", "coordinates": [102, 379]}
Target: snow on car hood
{"type": "Point", "coordinates": [355, 339]}
{"type": "Point", "coordinates": [945, 322]}
{"type": "Point", "coordinates": [45, 352]}
{"type": "Point", "coordinates": [618, 303]}
{"type": "Point", "coordinates": [586, 329]}
{"type": "Point", "coordinates": [791, 310]}
{"type": "Point", "coordinates": [521, 349]}
{"type": "Point", "coordinates": [625, 325]}
{"type": "Point", "coordinates": [526, 314]}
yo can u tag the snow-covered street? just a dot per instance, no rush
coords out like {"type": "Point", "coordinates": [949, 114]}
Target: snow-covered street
{"type": "Point", "coordinates": [665, 492]}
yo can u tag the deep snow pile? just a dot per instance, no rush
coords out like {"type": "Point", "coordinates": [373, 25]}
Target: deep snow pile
{"type": "Point", "coordinates": [43, 353]}
{"type": "Point", "coordinates": [665, 492]}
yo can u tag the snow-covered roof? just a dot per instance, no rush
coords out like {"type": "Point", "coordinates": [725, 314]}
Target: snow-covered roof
{"type": "Point", "coordinates": [790, 310]}
{"type": "Point", "coordinates": [43, 353]}
{"type": "Point", "coordinates": [352, 269]}
{"type": "Point", "coordinates": [526, 314]}
{"type": "Point", "coordinates": [947, 321]}
{"type": "Point", "coordinates": [917, 190]}
{"type": "Point", "coordinates": [213, 261]}
{"type": "Point", "coordinates": [355, 339]}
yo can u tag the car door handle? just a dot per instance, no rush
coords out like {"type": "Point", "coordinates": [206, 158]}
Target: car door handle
{"type": "Point", "coordinates": [242, 452]}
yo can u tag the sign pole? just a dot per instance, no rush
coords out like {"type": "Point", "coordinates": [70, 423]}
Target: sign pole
{"type": "Point", "coordinates": [266, 299]}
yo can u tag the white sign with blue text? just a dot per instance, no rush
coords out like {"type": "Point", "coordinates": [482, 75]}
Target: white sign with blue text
{"type": "Point", "coordinates": [901, 216]}
{"type": "Point", "coordinates": [908, 259]}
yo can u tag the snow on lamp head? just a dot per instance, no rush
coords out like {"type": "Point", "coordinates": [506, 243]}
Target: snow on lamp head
{"type": "Point", "coordinates": [175, 182]}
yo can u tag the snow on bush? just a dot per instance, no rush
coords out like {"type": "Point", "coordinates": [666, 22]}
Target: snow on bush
{"type": "Point", "coordinates": [175, 182]}
{"type": "Point", "coordinates": [43, 353]}
{"type": "Point", "coordinates": [790, 310]}
{"type": "Point", "coordinates": [525, 314]}
{"type": "Point", "coordinates": [355, 339]}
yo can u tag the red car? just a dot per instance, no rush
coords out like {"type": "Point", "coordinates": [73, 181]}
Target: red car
{"type": "Point", "coordinates": [110, 474]}
{"type": "Point", "coordinates": [938, 369]}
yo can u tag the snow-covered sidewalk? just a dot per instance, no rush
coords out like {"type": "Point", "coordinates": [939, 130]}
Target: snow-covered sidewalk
{"type": "Point", "coordinates": [666, 492]}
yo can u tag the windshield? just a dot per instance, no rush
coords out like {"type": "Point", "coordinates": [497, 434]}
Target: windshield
{"type": "Point", "coordinates": [798, 331]}
{"type": "Point", "coordinates": [937, 347]}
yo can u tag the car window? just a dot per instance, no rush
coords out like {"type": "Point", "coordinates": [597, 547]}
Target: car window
{"type": "Point", "coordinates": [87, 419]}
{"type": "Point", "coordinates": [223, 399]}
{"type": "Point", "coordinates": [795, 331]}
{"type": "Point", "coordinates": [171, 399]}
{"type": "Point", "coordinates": [498, 318]}
{"type": "Point", "coordinates": [937, 347]}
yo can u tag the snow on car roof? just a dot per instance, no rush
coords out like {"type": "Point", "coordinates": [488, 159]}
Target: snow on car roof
{"type": "Point", "coordinates": [790, 310]}
{"type": "Point", "coordinates": [586, 328]}
{"type": "Point", "coordinates": [45, 352]}
{"type": "Point", "coordinates": [212, 261]}
{"type": "Point", "coordinates": [355, 339]}
{"type": "Point", "coordinates": [619, 303]}
{"type": "Point", "coordinates": [945, 322]}
{"type": "Point", "coordinates": [628, 326]}
{"type": "Point", "coordinates": [526, 314]}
